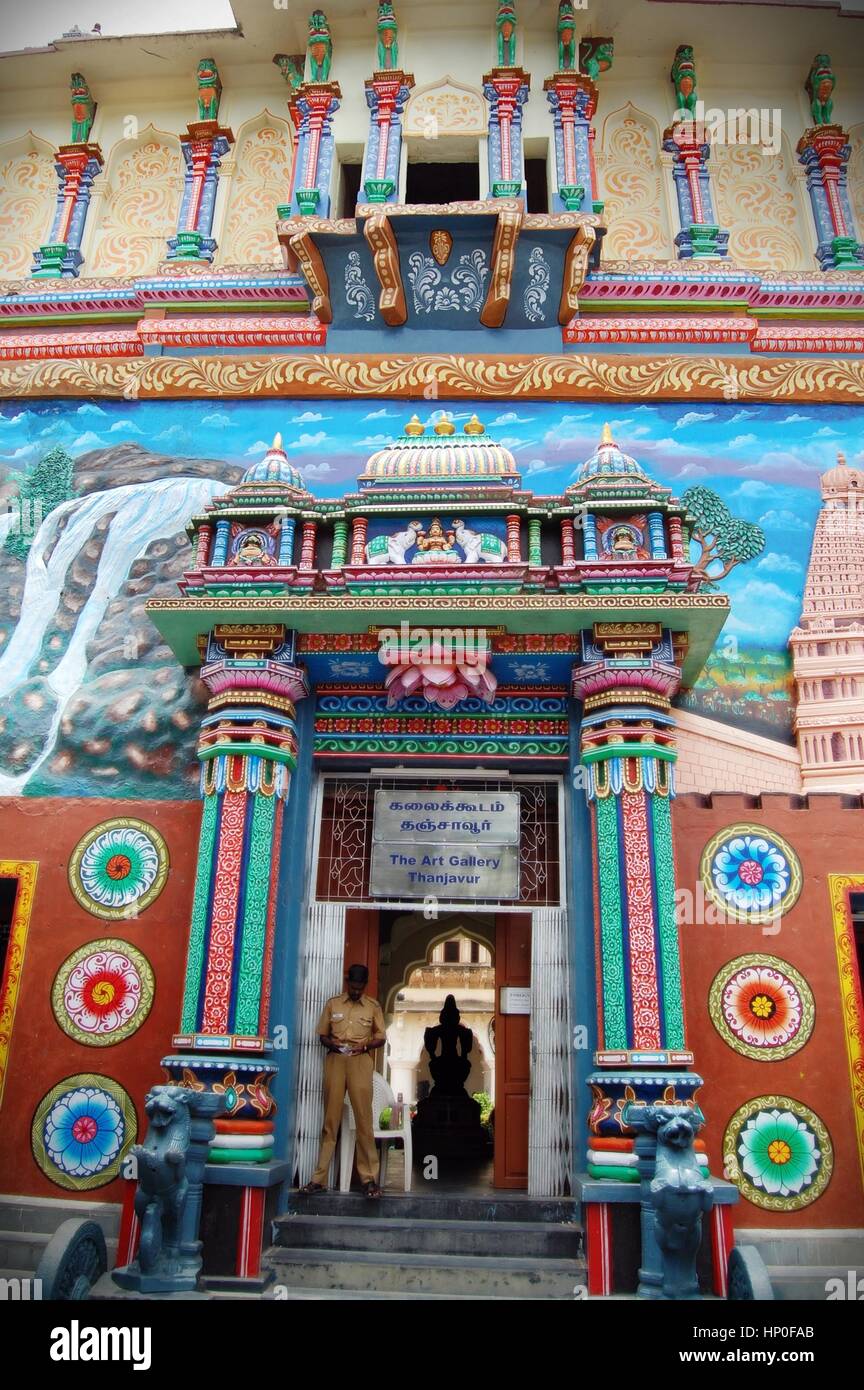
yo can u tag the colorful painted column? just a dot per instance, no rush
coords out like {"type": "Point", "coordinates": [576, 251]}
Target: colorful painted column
{"type": "Point", "coordinates": [203, 146]}
{"type": "Point", "coordinates": [506, 90]}
{"type": "Point", "coordinates": [386, 95]}
{"type": "Point", "coordinates": [700, 234]}
{"type": "Point", "coordinates": [572, 100]}
{"type": "Point", "coordinates": [247, 750]}
{"type": "Point", "coordinates": [77, 167]}
{"type": "Point", "coordinates": [627, 681]}
{"type": "Point", "coordinates": [313, 106]}
{"type": "Point", "coordinates": [824, 152]}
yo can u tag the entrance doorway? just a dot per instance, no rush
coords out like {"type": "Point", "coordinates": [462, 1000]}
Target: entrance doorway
{"type": "Point", "coordinates": [475, 1126]}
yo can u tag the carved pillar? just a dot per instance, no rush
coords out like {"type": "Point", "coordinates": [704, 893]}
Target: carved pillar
{"type": "Point", "coordinates": [535, 554]}
{"type": "Point", "coordinates": [824, 152]}
{"type": "Point", "coordinates": [358, 540]}
{"type": "Point", "coordinates": [307, 545]}
{"type": "Point", "coordinates": [223, 537]}
{"type": "Point", "coordinates": [202, 553]}
{"type": "Point", "coordinates": [506, 90]}
{"type": "Point", "coordinates": [247, 750]}
{"type": "Point", "coordinates": [340, 544]}
{"type": "Point", "coordinates": [286, 540]}
{"type": "Point", "coordinates": [386, 95]}
{"type": "Point", "coordinates": [203, 146]}
{"type": "Point", "coordinates": [676, 538]}
{"type": "Point", "coordinates": [77, 166]}
{"type": "Point", "coordinates": [568, 545]}
{"type": "Point", "coordinates": [312, 108]}
{"type": "Point", "coordinates": [589, 535]}
{"type": "Point", "coordinates": [573, 100]}
{"type": "Point", "coordinates": [514, 544]}
{"type": "Point", "coordinates": [657, 535]}
{"type": "Point", "coordinates": [700, 235]}
{"type": "Point", "coordinates": [626, 681]}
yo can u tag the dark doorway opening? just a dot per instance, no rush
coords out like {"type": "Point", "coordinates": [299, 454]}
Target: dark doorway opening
{"type": "Point", "coordinates": [443, 183]}
{"type": "Point", "coordinates": [856, 906]}
{"type": "Point", "coordinates": [351, 176]}
{"type": "Point", "coordinates": [537, 185]}
{"type": "Point", "coordinates": [8, 895]}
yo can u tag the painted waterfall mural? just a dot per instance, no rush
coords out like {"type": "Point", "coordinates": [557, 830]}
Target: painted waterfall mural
{"type": "Point", "coordinates": [92, 702]}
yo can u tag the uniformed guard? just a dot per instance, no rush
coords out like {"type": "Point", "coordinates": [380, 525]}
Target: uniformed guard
{"type": "Point", "coordinates": [351, 1027]}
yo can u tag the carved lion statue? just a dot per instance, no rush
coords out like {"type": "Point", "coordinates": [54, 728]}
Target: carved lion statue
{"type": "Point", "coordinates": [162, 1182]}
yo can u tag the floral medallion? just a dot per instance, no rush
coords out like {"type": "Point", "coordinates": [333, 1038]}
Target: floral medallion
{"type": "Point", "coordinates": [102, 993]}
{"type": "Point", "coordinates": [81, 1131]}
{"type": "Point", "coordinates": [751, 873]}
{"type": "Point", "coordinates": [119, 868]}
{"type": "Point", "coordinates": [762, 1007]}
{"type": "Point", "coordinates": [778, 1152]}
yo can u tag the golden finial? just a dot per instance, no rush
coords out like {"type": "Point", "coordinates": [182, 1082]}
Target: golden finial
{"type": "Point", "coordinates": [474, 426]}
{"type": "Point", "coordinates": [607, 435]}
{"type": "Point", "coordinates": [277, 441]}
{"type": "Point", "coordinates": [445, 426]}
{"type": "Point", "coordinates": [841, 458]}
{"type": "Point", "coordinates": [414, 426]}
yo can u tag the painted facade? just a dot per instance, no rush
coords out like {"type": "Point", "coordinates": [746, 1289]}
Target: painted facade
{"type": "Point", "coordinates": [320, 486]}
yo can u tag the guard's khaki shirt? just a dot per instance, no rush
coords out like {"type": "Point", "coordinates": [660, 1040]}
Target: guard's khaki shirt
{"type": "Point", "coordinates": [350, 1022]}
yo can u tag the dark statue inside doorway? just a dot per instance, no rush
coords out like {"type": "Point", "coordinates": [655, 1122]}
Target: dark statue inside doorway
{"type": "Point", "coordinates": [448, 1119]}
{"type": "Point", "coordinates": [450, 1067]}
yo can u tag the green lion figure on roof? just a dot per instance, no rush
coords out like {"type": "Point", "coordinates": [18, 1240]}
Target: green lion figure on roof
{"type": "Point", "coordinates": [505, 24]}
{"type": "Point", "coordinates": [388, 38]}
{"type": "Point", "coordinates": [83, 109]}
{"type": "Point", "coordinates": [319, 46]}
{"type": "Point", "coordinates": [683, 75]}
{"type": "Point", "coordinates": [566, 36]}
{"type": "Point", "coordinates": [819, 87]}
{"type": "Point", "coordinates": [209, 90]}
{"type": "Point", "coordinates": [595, 56]}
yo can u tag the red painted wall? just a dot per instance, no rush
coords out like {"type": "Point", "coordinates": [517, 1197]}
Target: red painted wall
{"type": "Point", "coordinates": [827, 833]}
{"type": "Point", "coordinates": [40, 1053]}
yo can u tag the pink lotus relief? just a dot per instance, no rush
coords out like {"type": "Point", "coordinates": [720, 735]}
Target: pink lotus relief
{"type": "Point", "coordinates": [442, 680]}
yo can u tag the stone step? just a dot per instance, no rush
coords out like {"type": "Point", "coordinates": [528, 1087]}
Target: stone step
{"type": "Point", "coordinates": [469, 1275]}
{"type": "Point", "coordinates": [24, 1249]}
{"type": "Point", "coordinates": [46, 1214]}
{"type": "Point", "coordinates": [538, 1239]}
{"type": "Point", "coordinates": [429, 1206]}
{"type": "Point", "coordinates": [809, 1283]}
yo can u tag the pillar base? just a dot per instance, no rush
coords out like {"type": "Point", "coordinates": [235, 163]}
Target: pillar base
{"type": "Point", "coordinates": [308, 200]}
{"type": "Point", "coordinates": [54, 260]}
{"type": "Point", "coordinates": [191, 246]}
{"type": "Point", "coordinates": [572, 195]}
{"type": "Point", "coordinates": [700, 240]}
{"type": "Point", "coordinates": [846, 254]}
{"type": "Point", "coordinates": [506, 188]}
{"type": "Point", "coordinates": [377, 190]}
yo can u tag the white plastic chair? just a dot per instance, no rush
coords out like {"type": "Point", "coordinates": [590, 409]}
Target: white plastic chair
{"type": "Point", "coordinates": [382, 1097]}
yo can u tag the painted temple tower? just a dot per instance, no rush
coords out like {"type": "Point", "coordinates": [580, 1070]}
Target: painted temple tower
{"type": "Point", "coordinates": [524, 667]}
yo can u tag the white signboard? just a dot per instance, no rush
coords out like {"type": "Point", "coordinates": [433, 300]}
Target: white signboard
{"type": "Point", "coordinates": [515, 999]}
{"type": "Point", "coordinates": [450, 845]}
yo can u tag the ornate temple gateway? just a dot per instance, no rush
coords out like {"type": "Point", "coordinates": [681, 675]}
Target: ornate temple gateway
{"type": "Point", "coordinates": [426, 548]}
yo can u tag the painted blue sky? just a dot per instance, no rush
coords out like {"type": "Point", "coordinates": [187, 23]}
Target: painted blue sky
{"type": "Point", "coordinates": [764, 460]}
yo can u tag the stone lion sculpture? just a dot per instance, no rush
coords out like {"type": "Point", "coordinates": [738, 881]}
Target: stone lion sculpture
{"type": "Point", "coordinates": [162, 1182]}
{"type": "Point", "coordinates": [680, 1193]}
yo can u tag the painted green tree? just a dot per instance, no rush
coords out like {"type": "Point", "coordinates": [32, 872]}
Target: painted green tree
{"type": "Point", "coordinates": [41, 490]}
{"type": "Point", "coordinates": [725, 540]}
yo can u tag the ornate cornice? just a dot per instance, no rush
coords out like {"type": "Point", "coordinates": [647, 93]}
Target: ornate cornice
{"type": "Point", "coordinates": [574, 377]}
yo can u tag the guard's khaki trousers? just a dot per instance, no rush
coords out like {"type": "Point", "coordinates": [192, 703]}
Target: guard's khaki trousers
{"type": "Point", "coordinates": [354, 1075]}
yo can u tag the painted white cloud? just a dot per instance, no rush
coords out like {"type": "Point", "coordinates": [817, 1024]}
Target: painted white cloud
{"type": "Point", "coordinates": [782, 520]}
{"type": "Point", "coordinates": [693, 417]}
{"type": "Point", "coordinates": [373, 441]}
{"type": "Point", "coordinates": [308, 441]}
{"type": "Point", "coordinates": [218, 420]}
{"type": "Point", "coordinates": [13, 419]}
{"type": "Point", "coordinates": [89, 409]}
{"type": "Point", "coordinates": [511, 418]}
{"type": "Point", "coordinates": [691, 470]}
{"type": "Point", "coordinates": [258, 448]}
{"type": "Point", "coordinates": [793, 419]}
{"type": "Point", "coordinates": [308, 417]}
{"type": "Point", "coordinates": [742, 415]}
{"type": "Point", "coordinates": [762, 591]}
{"type": "Point", "coordinates": [316, 470]}
{"type": "Point", "coordinates": [382, 414]}
{"type": "Point", "coordinates": [87, 440]}
{"type": "Point", "coordinates": [741, 440]}
{"type": "Point", "coordinates": [754, 487]}
{"type": "Point", "coordinates": [775, 563]}
{"type": "Point", "coordinates": [126, 427]}
{"type": "Point", "coordinates": [535, 466]}
{"type": "Point", "coordinates": [826, 432]}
